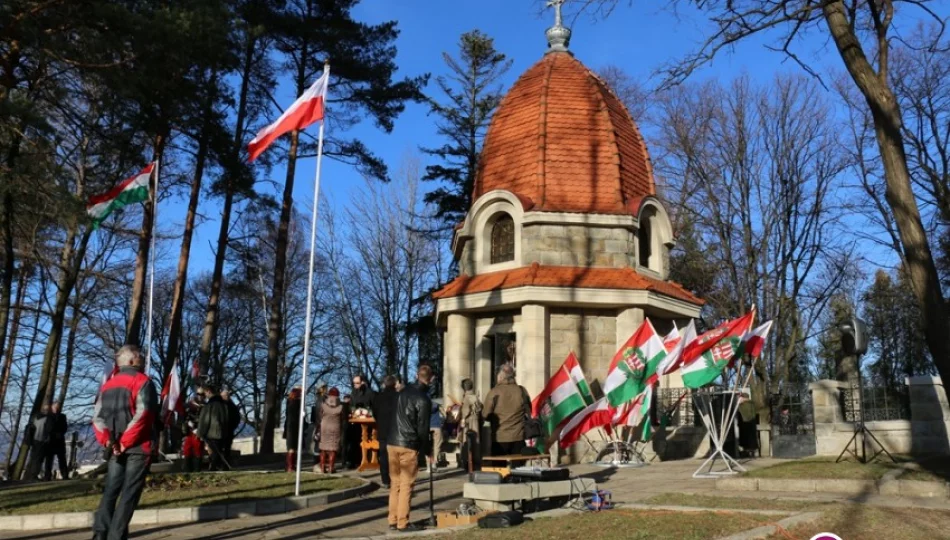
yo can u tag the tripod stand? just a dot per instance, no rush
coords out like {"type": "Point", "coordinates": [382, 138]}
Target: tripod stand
{"type": "Point", "coordinates": [857, 408]}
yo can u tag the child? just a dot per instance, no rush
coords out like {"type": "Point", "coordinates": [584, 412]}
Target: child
{"type": "Point", "coordinates": [191, 450]}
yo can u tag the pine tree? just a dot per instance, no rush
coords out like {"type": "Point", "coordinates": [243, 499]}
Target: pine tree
{"type": "Point", "coordinates": [472, 94]}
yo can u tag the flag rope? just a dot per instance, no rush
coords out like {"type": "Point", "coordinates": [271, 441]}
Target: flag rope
{"type": "Point", "coordinates": [306, 334]}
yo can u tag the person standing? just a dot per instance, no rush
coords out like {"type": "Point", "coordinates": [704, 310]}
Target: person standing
{"type": "Point", "coordinates": [42, 433]}
{"type": "Point", "coordinates": [436, 421]}
{"type": "Point", "coordinates": [292, 427]}
{"type": "Point", "coordinates": [470, 425]}
{"type": "Point", "coordinates": [56, 447]}
{"type": "Point", "coordinates": [361, 398]}
{"type": "Point", "coordinates": [213, 428]}
{"type": "Point", "coordinates": [408, 436]}
{"type": "Point", "coordinates": [124, 423]}
{"type": "Point", "coordinates": [234, 422]}
{"type": "Point", "coordinates": [191, 450]}
{"type": "Point", "coordinates": [384, 411]}
{"type": "Point", "coordinates": [330, 425]}
{"type": "Point", "coordinates": [506, 407]}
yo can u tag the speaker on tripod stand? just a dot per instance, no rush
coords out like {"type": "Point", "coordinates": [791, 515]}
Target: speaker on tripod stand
{"type": "Point", "coordinates": [854, 341]}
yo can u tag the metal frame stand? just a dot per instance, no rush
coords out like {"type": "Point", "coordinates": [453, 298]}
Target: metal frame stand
{"type": "Point", "coordinates": [861, 429]}
{"type": "Point", "coordinates": [704, 398]}
{"type": "Point", "coordinates": [625, 455]}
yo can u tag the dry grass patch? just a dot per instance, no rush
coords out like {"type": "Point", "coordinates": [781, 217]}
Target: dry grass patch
{"type": "Point", "coordinates": [734, 503]}
{"type": "Point", "coordinates": [825, 469]}
{"type": "Point", "coordinates": [855, 521]}
{"type": "Point", "coordinates": [166, 491]}
{"type": "Point", "coordinates": [628, 524]}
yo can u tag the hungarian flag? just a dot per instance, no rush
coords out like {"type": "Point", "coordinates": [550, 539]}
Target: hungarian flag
{"type": "Point", "coordinates": [595, 415]}
{"type": "Point", "coordinates": [130, 191]}
{"type": "Point", "coordinates": [171, 395]}
{"type": "Point", "coordinates": [674, 358]}
{"type": "Point", "coordinates": [633, 364]}
{"type": "Point", "coordinates": [708, 340]}
{"type": "Point", "coordinates": [754, 340]}
{"type": "Point", "coordinates": [558, 401]}
{"type": "Point", "coordinates": [308, 109]}
{"type": "Point", "coordinates": [577, 375]}
{"type": "Point", "coordinates": [637, 411]}
{"type": "Point", "coordinates": [710, 365]}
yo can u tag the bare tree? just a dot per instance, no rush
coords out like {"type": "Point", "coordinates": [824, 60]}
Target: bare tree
{"type": "Point", "coordinates": [862, 33]}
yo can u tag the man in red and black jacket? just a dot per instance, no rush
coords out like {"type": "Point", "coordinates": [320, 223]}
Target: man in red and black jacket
{"type": "Point", "coordinates": [124, 422]}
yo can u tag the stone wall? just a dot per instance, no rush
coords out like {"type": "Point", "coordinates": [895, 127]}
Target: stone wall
{"type": "Point", "coordinates": [578, 245]}
{"type": "Point", "coordinates": [591, 334]}
{"type": "Point", "coordinates": [925, 433]}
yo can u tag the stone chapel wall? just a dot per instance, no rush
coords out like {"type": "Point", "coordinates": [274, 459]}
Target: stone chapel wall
{"type": "Point", "coordinates": [591, 334]}
{"type": "Point", "coordinates": [578, 245]}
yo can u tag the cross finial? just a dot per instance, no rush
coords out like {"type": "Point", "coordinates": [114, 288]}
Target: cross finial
{"type": "Point", "coordinates": [558, 36]}
{"type": "Point", "coordinates": [556, 4]}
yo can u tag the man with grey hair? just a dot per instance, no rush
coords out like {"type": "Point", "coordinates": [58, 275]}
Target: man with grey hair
{"type": "Point", "coordinates": [124, 422]}
{"type": "Point", "coordinates": [506, 407]}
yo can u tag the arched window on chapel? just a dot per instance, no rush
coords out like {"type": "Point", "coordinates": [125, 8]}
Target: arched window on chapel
{"type": "Point", "coordinates": [503, 239]}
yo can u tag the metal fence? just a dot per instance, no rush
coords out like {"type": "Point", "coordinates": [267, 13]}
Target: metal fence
{"type": "Point", "coordinates": [684, 414]}
{"type": "Point", "coordinates": [875, 403]}
{"type": "Point", "coordinates": [792, 411]}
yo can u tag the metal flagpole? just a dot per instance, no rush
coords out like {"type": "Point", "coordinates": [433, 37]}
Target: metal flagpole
{"type": "Point", "coordinates": [151, 271]}
{"type": "Point", "coordinates": [306, 333]}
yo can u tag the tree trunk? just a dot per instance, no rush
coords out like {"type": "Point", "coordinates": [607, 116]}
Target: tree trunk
{"type": "Point", "coordinates": [6, 277]}
{"type": "Point", "coordinates": [133, 331]}
{"type": "Point", "coordinates": [14, 333]}
{"type": "Point", "coordinates": [217, 276]}
{"type": "Point", "coordinates": [181, 279]}
{"type": "Point", "coordinates": [899, 193]}
{"type": "Point", "coordinates": [67, 280]}
{"type": "Point", "coordinates": [22, 404]}
{"type": "Point", "coordinates": [70, 353]}
{"type": "Point", "coordinates": [275, 328]}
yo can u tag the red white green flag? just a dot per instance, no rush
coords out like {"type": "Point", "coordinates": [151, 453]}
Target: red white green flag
{"type": "Point", "coordinates": [130, 191]}
{"type": "Point", "coordinates": [558, 401]}
{"type": "Point", "coordinates": [633, 364]}
{"type": "Point", "coordinates": [595, 415]}
{"type": "Point", "coordinates": [577, 375]}
{"type": "Point", "coordinates": [637, 411]}
{"type": "Point", "coordinates": [711, 364]}
{"type": "Point", "coordinates": [675, 348]}
{"type": "Point", "coordinates": [710, 339]}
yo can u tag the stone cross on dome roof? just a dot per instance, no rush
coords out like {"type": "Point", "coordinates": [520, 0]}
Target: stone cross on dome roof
{"type": "Point", "coordinates": [559, 37]}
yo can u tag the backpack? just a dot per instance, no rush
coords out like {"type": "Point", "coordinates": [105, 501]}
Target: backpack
{"type": "Point", "coordinates": [532, 426]}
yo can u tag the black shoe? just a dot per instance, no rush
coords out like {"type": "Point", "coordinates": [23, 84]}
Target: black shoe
{"type": "Point", "coordinates": [393, 528]}
{"type": "Point", "coordinates": [412, 527]}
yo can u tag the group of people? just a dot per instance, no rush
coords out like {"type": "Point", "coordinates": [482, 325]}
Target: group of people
{"type": "Point", "coordinates": [49, 442]}
{"type": "Point", "coordinates": [214, 420]}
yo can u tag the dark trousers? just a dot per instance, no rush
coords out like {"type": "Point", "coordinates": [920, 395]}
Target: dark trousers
{"type": "Point", "coordinates": [352, 453]}
{"type": "Point", "coordinates": [56, 450]}
{"type": "Point", "coordinates": [383, 463]}
{"type": "Point", "coordinates": [125, 478]}
{"type": "Point", "coordinates": [217, 461]}
{"type": "Point", "coordinates": [507, 448]}
{"type": "Point", "coordinates": [37, 458]}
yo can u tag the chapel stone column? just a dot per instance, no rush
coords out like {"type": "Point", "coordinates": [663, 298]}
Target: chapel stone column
{"type": "Point", "coordinates": [459, 346]}
{"type": "Point", "coordinates": [534, 356]}
{"type": "Point", "coordinates": [628, 320]}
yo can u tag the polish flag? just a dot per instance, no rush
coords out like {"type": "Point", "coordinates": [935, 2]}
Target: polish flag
{"type": "Point", "coordinates": [754, 340]}
{"type": "Point", "coordinates": [308, 109]}
{"type": "Point", "coordinates": [595, 415]}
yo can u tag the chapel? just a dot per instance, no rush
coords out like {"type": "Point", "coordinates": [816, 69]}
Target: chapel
{"type": "Point", "coordinates": [566, 245]}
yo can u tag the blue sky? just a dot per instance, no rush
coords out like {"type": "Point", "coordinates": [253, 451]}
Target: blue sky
{"type": "Point", "coordinates": [639, 39]}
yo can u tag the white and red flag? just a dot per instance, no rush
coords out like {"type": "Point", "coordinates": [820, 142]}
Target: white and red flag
{"type": "Point", "coordinates": [308, 108]}
{"type": "Point", "coordinates": [171, 396]}
{"type": "Point", "coordinates": [754, 340]}
{"type": "Point", "coordinates": [595, 415]}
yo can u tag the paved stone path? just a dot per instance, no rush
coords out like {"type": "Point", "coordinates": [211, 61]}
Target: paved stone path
{"type": "Point", "coordinates": [366, 516]}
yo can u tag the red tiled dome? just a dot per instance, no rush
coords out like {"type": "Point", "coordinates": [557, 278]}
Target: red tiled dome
{"type": "Point", "coordinates": [563, 140]}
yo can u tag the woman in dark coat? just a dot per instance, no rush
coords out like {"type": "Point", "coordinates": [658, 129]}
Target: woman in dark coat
{"type": "Point", "coordinates": [292, 428]}
{"type": "Point", "coordinates": [331, 430]}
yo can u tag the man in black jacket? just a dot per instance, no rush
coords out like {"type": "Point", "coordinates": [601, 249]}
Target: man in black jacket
{"type": "Point", "coordinates": [384, 412]}
{"type": "Point", "coordinates": [57, 443]}
{"type": "Point", "coordinates": [361, 398]}
{"type": "Point", "coordinates": [407, 436]}
{"type": "Point", "coordinates": [213, 425]}
{"type": "Point", "coordinates": [234, 422]}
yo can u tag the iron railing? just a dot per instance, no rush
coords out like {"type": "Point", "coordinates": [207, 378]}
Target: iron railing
{"type": "Point", "coordinates": [792, 411]}
{"type": "Point", "coordinates": [684, 414]}
{"type": "Point", "coordinates": [872, 404]}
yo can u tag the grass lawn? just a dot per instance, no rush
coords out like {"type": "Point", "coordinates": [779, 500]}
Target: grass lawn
{"type": "Point", "coordinates": [825, 468]}
{"type": "Point", "coordinates": [627, 524]}
{"type": "Point", "coordinates": [735, 503]}
{"type": "Point", "coordinates": [166, 491]}
{"type": "Point", "coordinates": [859, 521]}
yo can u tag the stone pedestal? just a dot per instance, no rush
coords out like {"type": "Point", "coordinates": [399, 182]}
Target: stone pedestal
{"type": "Point", "coordinates": [930, 415]}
